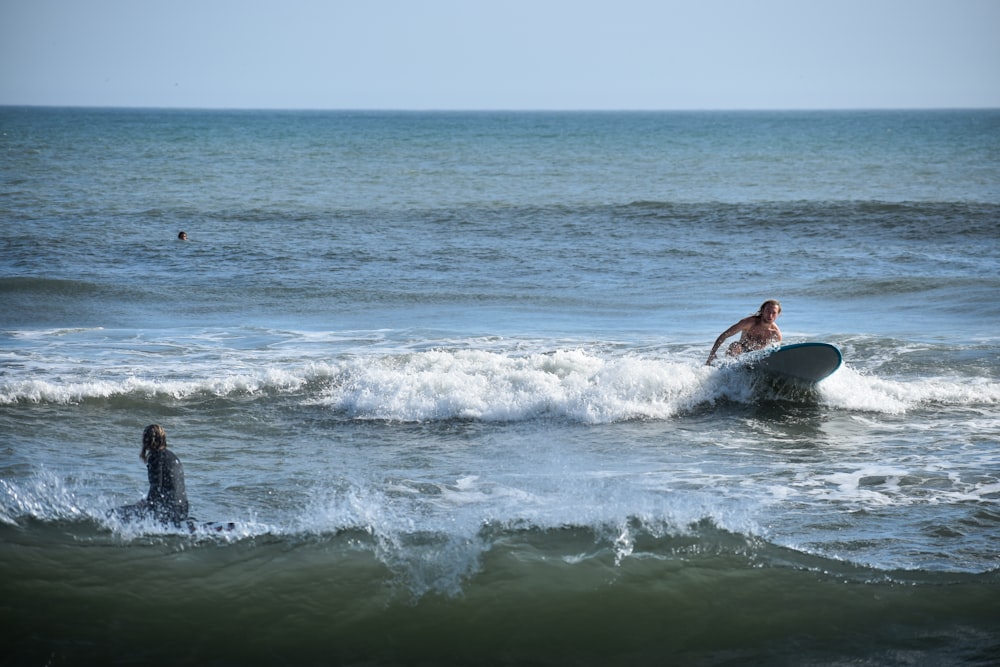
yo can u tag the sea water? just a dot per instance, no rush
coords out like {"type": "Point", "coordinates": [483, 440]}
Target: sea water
{"type": "Point", "coordinates": [445, 375]}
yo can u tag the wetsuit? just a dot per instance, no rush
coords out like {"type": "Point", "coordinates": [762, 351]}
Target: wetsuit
{"type": "Point", "coordinates": [166, 499]}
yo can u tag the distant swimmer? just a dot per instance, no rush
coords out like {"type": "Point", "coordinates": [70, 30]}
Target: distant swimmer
{"type": "Point", "coordinates": [758, 331]}
{"type": "Point", "coordinates": [166, 501]}
{"type": "Point", "coordinates": [183, 236]}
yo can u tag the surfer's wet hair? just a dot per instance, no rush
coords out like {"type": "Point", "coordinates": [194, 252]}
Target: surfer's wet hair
{"type": "Point", "coordinates": [153, 438]}
{"type": "Point", "coordinates": [769, 302]}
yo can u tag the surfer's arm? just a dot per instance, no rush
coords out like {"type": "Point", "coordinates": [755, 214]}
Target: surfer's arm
{"type": "Point", "coordinates": [733, 330]}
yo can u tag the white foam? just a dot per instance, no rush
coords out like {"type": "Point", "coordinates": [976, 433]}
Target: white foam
{"type": "Point", "coordinates": [43, 496]}
{"type": "Point", "coordinates": [494, 386]}
{"type": "Point", "coordinates": [384, 378]}
{"type": "Point", "coordinates": [849, 389]}
{"type": "Point", "coordinates": [56, 391]}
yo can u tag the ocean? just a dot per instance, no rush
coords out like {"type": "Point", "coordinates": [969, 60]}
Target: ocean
{"type": "Point", "coordinates": [444, 373]}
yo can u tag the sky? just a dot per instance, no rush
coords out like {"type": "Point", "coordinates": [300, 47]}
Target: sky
{"type": "Point", "coordinates": [501, 54]}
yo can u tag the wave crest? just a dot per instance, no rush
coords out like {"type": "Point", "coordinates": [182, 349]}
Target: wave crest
{"type": "Point", "coordinates": [591, 386]}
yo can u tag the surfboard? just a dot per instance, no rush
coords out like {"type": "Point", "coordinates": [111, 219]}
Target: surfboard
{"type": "Point", "coordinates": [210, 526]}
{"type": "Point", "coordinates": [133, 513]}
{"type": "Point", "coordinates": [805, 363]}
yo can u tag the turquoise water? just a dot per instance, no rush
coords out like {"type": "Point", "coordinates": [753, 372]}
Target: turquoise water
{"type": "Point", "coordinates": [445, 374]}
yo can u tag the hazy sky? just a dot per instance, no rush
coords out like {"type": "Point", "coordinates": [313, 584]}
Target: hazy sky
{"type": "Point", "coordinates": [501, 54]}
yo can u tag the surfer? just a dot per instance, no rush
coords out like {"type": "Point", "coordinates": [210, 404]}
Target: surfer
{"type": "Point", "coordinates": [758, 331]}
{"type": "Point", "coordinates": [166, 501]}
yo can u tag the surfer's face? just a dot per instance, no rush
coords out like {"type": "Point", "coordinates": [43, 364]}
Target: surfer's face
{"type": "Point", "coordinates": [769, 313]}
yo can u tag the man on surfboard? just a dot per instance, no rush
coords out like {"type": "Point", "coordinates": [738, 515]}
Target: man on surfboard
{"type": "Point", "coordinates": [758, 331]}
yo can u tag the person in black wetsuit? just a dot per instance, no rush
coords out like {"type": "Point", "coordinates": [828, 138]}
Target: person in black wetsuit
{"type": "Point", "coordinates": [167, 500]}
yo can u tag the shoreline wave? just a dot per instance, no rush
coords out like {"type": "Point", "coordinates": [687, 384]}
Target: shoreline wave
{"type": "Point", "coordinates": [467, 384]}
{"type": "Point", "coordinates": [538, 596]}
